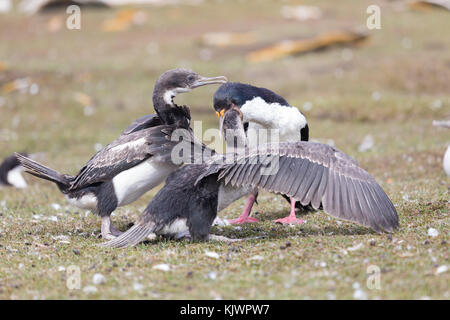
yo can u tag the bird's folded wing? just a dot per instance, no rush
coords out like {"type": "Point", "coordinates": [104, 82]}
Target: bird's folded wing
{"type": "Point", "coordinates": [144, 122]}
{"type": "Point", "coordinates": [125, 152]}
{"type": "Point", "coordinates": [313, 173]}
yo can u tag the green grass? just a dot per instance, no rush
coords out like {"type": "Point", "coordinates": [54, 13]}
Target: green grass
{"type": "Point", "coordinates": [117, 72]}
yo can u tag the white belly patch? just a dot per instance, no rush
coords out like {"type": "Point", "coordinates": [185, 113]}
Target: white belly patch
{"type": "Point", "coordinates": [177, 226]}
{"type": "Point", "coordinates": [88, 202]}
{"type": "Point", "coordinates": [130, 184]}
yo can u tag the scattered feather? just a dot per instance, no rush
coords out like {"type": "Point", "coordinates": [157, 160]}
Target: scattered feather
{"type": "Point", "coordinates": [90, 289]}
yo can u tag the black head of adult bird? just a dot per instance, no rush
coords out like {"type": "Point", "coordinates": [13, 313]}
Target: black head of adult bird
{"type": "Point", "coordinates": [137, 161]}
{"type": "Point", "coordinates": [307, 172]}
{"type": "Point", "coordinates": [267, 117]}
{"type": "Point", "coordinates": [11, 173]}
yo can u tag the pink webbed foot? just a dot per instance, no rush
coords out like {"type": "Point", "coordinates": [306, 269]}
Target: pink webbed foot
{"type": "Point", "coordinates": [242, 220]}
{"type": "Point", "coordinates": [289, 220]}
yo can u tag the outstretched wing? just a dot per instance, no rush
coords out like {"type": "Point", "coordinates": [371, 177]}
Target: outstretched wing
{"type": "Point", "coordinates": [125, 152]}
{"type": "Point", "coordinates": [313, 173]}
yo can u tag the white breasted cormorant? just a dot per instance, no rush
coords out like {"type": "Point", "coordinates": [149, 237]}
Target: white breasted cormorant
{"type": "Point", "coordinates": [134, 163]}
{"type": "Point", "coordinates": [263, 109]}
{"type": "Point", "coordinates": [11, 173]}
{"type": "Point", "coordinates": [308, 172]}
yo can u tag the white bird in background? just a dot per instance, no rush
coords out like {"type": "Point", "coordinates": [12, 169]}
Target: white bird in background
{"type": "Point", "coordinates": [446, 161]}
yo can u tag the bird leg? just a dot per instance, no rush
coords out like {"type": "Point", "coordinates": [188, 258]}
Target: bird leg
{"type": "Point", "coordinates": [109, 232]}
{"type": "Point", "coordinates": [244, 217]}
{"type": "Point", "coordinates": [291, 219]}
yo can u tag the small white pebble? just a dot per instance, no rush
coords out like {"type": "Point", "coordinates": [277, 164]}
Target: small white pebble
{"type": "Point", "coordinates": [323, 264]}
{"type": "Point", "coordinates": [212, 275]}
{"type": "Point", "coordinates": [137, 286]}
{"type": "Point", "coordinates": [441, 269]}
{"type": "Point", "coordinates": [376, 96]}
{"type": "Point", "coordinates": [359, 295]}
{"type": "Point", "coordinates": [307, 106]}
{"type": "Point", "coordinates": [56, 206]}
{"type": "Point", "coordinates": [53, 218]}
{"type": "Point", "coordinates": [90, 289]}
{"type": "Point", "coordinates": [34, 89]}
{"type": "Point", "coordinates": [220, 222]}
{"type": "Point", "coordinates": [161, 267]}
{"type": "Point", "coordinates": [257, 257]}
{"type": "Point", "coordinates": [98, 279]}
{"type": "Point", "coordinates": [356, 247]}
{"type": "Point", "coordinates": [331, 296]}
{"type": "Point", "coordinates": [61, 268]}
{"type": "Point", "coordinates": [432, 232]}
{"type": "Point", "coordinates": [89, 111]}
{"type": "Point", "coordinates": [367, 143]}
{"type": "Point", "coordinates": [212, 254]}
{"type": "Point", "coordinates": [437, 104]}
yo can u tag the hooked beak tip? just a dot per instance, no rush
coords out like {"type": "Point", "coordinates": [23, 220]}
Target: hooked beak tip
{"type": "Point", "coordinates": [203, 81]}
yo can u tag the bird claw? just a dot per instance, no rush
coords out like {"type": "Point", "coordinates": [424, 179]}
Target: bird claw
{"type": "Point", "coordinates": [289, 220]}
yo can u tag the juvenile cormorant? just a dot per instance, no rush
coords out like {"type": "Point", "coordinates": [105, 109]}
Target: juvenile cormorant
{"type": "Point", "coordinates": [134, 163]}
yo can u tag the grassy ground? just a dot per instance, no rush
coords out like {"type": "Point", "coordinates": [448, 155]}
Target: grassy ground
{"type": "Point", "coordinates": [391, 88]}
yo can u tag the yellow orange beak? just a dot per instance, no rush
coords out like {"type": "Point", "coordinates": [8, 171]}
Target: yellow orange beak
{"type": "Point", "coordinates": [221, 113]}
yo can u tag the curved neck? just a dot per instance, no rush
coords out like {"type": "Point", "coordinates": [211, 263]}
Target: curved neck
{"type": "Point", "coordinates": [163, 106]}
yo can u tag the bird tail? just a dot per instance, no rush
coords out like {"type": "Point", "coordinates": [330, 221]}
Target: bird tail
{"type": "Point", "coordinates": [43, 172]}
{"type": "Point", "coordinates": [132, 236]}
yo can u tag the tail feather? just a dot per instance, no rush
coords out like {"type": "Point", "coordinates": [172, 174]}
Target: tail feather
{"type": "Point", "coordinates": [132, 236]}
{"type": "Point", "coordinates": [43, 172]}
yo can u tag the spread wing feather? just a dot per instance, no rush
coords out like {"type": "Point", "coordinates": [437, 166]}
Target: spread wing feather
{"type": "Point", "coordinates": [314, 173]}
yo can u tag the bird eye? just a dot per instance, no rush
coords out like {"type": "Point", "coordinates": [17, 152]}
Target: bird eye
{"type": "Point", "coordinates": [190, 78]}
